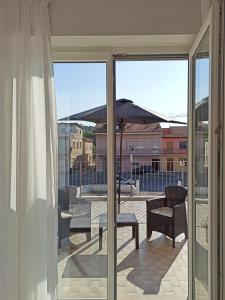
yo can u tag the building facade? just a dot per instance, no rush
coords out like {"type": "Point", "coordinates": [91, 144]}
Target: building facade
{"type": "Point", "coordinates": [70, 149]}
{"type": "Point", "coordinates": [74, 150]}
{"type": "Point", "coordinates": [164, 149]}
{"type": "Point", "coordinates": [88, 152]}
{"type": "Point", "coordinates": [141, 146]}
{"type": "Point", "coordinates": [174, 149]}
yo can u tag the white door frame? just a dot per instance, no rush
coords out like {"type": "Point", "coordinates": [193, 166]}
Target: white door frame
{"type": "Point", "coordinates": [71, 55]}
{"type": "Point", "coordinates": [107, 58]}
{"type": "Point", "coordinates": [211, 22]}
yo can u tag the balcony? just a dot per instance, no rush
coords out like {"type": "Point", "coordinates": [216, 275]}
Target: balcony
{"type": "Point", "coordinates": [146, 151]}
{"type": "Point", "coordinates": [155, 269]}
{"type": "Point", "coordinates": [174, 151]}
{"type": "Point", "coordinates": [92, 180]}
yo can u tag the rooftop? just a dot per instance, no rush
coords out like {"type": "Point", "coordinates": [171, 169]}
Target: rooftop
{"type": "Point", "coordinates": [133, 128]}
{"type": "Point", "coordinates": [175, 131]}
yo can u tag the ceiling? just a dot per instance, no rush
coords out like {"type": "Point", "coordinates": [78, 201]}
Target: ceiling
{"type": "Point", "coordinates": [124, 23]}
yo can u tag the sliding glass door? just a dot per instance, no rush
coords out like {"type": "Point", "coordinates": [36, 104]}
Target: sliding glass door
{"type": "Point", "coordinates": [85, 180]}
{"type": "Point", "coordinates": [204, 167]}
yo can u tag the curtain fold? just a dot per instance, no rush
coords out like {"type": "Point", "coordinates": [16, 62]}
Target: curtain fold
{"type": "Point", "coordinates": [32, 154]}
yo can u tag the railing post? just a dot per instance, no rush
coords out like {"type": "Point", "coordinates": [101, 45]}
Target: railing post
{"type": "Point", "coordinates": [68, 172]}
{"type": "Point", "coordinates": [81, 175]}
{"type": "Point", "coordinates": [131, 185]}
{"type": "Point", "coordinates": [72, 173]}
{"type": "Point", "coordinates": [138, 187]}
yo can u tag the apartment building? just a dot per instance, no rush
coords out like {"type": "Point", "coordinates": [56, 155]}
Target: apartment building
{"type": "Point", "coordinates": [88, 152]}
{"type": "Point", "coordinates": [70, 149]}
{"type": "Point", "coordinates": [174, 149]}
{"type": "Point", "coordinates": [141, 145]}
{"type": "Point", "coordinates": [165, 149]}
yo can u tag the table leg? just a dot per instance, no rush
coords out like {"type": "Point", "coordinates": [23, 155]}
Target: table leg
{"type": "Point", "coordinates": [88, 236]}
{"type": "Point", "coordinates": [133, 231]}
{"type": "Point", "coordinates": [149, 232]}
{"type": "Point", "coordinates": [137, 235]}
{"type": "Point", "coordinates": [100, 237]}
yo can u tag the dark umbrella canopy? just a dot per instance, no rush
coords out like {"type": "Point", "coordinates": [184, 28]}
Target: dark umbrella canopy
{"type": "Point", "coordinates": [125, 111]}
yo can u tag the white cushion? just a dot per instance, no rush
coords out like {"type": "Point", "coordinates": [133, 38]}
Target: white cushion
{"type": "Point", "coordinates": [163, 211]}
{"type": "Point", "coordinates": [65, 215]}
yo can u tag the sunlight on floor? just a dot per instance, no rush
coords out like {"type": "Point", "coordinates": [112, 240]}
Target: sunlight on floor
{"type": "Point", "coordinates": [156, 269]}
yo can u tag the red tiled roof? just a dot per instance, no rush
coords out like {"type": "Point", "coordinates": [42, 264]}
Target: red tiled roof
{"type": "Point", "coordinates": [132, 128]}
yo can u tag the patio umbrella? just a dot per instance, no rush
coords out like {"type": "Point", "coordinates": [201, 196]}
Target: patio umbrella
{"type": "Point", "coordinates": [125, 112]}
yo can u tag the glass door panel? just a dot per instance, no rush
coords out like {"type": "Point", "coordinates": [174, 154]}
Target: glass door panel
{"type": "Point", "coordinates": [82, 182]}
{"type": "Point", "coordinates": [200, 165]}
{"type": "Point", "coordinates": [204, 169]}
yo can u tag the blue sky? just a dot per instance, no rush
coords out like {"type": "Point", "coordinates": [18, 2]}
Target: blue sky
{"type": "Point", "coordinates": [79, 86]}
{"type": "Point", "coordinates": [158, 85]}
{"type": "Point", "coordinates": [202, 79]}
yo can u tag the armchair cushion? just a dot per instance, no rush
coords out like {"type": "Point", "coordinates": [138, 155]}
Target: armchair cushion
{"type": "Point", "coordinates": [163, 211]}
{"type": "Point", "coordinates": [66, 215]}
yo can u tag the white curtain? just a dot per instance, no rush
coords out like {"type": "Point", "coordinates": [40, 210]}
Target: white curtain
{"type": "Point", "coordinates": [28, 239]}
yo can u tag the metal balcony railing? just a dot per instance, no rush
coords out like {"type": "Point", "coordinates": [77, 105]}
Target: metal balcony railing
{"type": "Point", "coordinates": [147, 151]}
{"type": "Point", "coordinates": [138, 177]}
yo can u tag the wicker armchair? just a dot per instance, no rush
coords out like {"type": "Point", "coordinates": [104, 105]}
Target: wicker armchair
{"type": "Point", "coordinates": [168, 215]}
{"type": "Point", "coordinates": [68, 223]}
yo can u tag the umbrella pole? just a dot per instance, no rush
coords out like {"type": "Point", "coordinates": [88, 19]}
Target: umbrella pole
{"type": "Point", "coordinates": [120, 165]}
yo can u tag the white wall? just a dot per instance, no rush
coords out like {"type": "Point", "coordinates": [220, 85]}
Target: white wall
{"type": "Point", "coordinates": [125, 17]}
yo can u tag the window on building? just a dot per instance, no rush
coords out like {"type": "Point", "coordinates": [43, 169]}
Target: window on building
{"type": "Point", "coordinates": [80, 145]}
{"type": "Point", "coordinates": [77, 145]}
{"type": "Point", "coordinates": [140, 145]}
{"type": "Point", "coordinates": [169, 164]}
{"type": "Point", "coordinates": [135, 164]}
{"type": "Point", "coordinates": [74, 144]}
{"type": "Point", "coordinates": [183, 144]}
{"type": "Point", "coordinates": [131, 145]}
{"type": "Point", "coordinates": [169, 147]}
{"type": "Point", "coordinates": [183, 161]}
{"type": "Point", "coordinates": [155, 148]}
{"type": "Point", "coordinates": [156, 164]}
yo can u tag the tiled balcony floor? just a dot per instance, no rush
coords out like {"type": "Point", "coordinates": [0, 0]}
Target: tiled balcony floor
{"type": "Point", "coordinates": [156, 269]}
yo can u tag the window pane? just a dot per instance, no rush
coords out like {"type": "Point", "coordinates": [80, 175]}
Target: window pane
{"type": "Point", "coordinates": [82, 194]}
{"type": "Point", "coordinates": [200, 166]}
